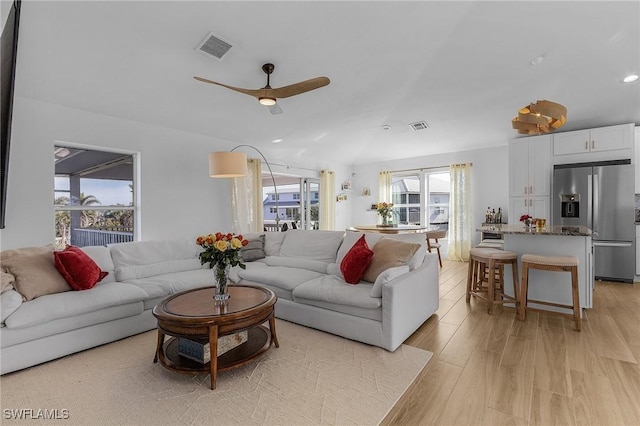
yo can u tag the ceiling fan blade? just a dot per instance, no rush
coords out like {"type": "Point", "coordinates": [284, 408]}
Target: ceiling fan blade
{"type": "Point", "coordinates": [251, 92]}
{"type": "Point", "coordinates": [300, 87]}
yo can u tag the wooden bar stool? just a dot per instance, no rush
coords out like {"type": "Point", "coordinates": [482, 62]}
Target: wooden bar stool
{"type": "Point", "coordinates": [486, 266]}
{"type": "Point", "coordinates": [556, 264]}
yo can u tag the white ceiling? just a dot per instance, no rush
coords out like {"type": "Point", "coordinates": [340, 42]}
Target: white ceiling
{"type": "Point", "coordinates": [463, 67]}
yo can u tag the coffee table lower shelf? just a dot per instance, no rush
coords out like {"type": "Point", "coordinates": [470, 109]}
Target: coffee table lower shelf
{"type": "Point", "coordinates": [258, 342]}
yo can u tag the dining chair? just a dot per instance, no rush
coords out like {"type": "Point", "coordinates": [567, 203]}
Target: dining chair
{"type": "Point", "coordinates": [435, 235]}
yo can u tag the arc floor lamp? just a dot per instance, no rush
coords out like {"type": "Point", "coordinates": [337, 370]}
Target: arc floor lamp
{"type": "Point", "coordinates": [231, 164]}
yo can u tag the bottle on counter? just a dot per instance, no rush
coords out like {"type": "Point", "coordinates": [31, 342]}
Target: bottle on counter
{"type": "Point", "coordinates": [499, 215]}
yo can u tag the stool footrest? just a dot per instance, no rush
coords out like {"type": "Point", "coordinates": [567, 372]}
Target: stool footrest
{"type": "Point", "coordinates": [557, 305]}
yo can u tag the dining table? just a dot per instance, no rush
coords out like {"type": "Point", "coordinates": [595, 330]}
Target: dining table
{"type": "Point", "coordinates": [395, 229]}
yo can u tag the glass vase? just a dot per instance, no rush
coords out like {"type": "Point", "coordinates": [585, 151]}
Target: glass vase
{"type": "Point", "coordinates": [221, 275]}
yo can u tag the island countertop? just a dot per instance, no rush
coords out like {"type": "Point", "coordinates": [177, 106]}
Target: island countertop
{"type": "Point", "coordinates": [576, 231]}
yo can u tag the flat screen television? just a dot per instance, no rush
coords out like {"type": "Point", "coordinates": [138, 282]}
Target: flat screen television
{"type": "Point", "coordinates": [9, 49]}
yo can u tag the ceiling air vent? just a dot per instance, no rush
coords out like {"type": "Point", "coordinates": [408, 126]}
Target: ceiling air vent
{"type": "Point", "coordinates": [419, 125]}
{"type": "Point", "coordinates": [213, 46]}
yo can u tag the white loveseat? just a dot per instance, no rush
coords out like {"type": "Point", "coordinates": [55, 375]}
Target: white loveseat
{"type": "Point", "coordinates": [301, 267]}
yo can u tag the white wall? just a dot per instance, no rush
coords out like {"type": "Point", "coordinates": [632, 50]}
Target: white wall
{"type": "Point", "coordinates": [489, 181]}
{"type": "Point", "coordinates": [177, 198]}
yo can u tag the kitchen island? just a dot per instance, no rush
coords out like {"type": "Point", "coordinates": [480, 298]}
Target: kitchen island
{"type": "Point", "coordinates": [550, 241]}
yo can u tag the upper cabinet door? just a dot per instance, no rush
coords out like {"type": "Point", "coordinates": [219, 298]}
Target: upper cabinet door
{"type": "Point", "coordinates": [609, 138]}
{"type": "Point", "coordinates": [530, 166]}
{"type": "Point", "coordinates": [571, 142]}
{"type": "Point", "coordinates": [519, 167]}
{"type": "Point", "coordinates": [540, 165]}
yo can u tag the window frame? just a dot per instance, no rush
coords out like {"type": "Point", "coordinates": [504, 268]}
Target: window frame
{"type": "Point", "coordinates": [135, 196]}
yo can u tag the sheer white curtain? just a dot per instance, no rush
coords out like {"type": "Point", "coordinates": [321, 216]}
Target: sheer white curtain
{"type": "Point", "coordinates": [327, 200]}
{"type": "Point", "coordinates": [384, 187]}
{"type": "Point", "coordinates": [460, 222]}
{"type": "Point", "coordinates": [246, 199]}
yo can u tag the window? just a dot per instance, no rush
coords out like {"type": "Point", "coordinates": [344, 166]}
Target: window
{"type": "Point", "coordinates": [406, 196]}
{"type": "Point", "coordinates": [409, 189]}
{"type": "Point", "coordinates": [94, 202]}
{"type": "Point", "coordinates": [273, 197]}
{"type": "Point", "coordinates": [438, 190]}
{"type": "Point", "coordinates": [296, 196]}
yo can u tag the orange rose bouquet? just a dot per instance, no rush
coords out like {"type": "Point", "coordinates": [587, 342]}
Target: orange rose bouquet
{"type": "Point", "coordinates": [221, 250]}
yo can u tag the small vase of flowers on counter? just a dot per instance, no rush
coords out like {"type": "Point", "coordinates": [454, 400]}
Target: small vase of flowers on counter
{"type": "Point", "coordinates": [526, 219]}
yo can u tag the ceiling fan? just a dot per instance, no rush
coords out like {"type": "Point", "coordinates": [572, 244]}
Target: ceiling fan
{"type": "Point", "coordinates": [267, 95]}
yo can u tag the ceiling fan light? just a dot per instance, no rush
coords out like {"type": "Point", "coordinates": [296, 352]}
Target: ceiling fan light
{"type": "Point", "coordinates": [266, 101]}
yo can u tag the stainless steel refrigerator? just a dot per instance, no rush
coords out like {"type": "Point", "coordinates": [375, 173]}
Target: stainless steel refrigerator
{"type": "Point", "coordinates": [600, 196]}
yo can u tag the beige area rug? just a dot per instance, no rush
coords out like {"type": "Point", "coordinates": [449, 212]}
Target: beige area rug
{"type": "Point", "coordinates": [313, 378]}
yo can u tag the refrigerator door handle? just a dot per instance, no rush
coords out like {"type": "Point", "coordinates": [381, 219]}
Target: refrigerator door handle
{"type": "Point", "coordinates": [612, 243]}
{"type": "Point", "coordinates": [590, 200]}
{"type": "Point", "coordinates": [596, 202]}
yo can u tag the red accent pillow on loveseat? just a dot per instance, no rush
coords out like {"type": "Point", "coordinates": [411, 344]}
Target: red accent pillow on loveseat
{"type": "Point", "coordinates": [77, 268]}
{"type": "Point", "coordinates": [356, 261]}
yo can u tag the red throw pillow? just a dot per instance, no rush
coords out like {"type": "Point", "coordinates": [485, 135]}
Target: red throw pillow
{"type": "Point", "coordinates": [356, 261]}
{"type": "Point", "coordinates": [77, 268]}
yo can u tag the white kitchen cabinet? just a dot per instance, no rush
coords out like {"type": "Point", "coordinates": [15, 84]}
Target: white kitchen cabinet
{"type": "Point", "coordinates": [530, 166]}
{"type": "Point", "coordinates": [593, 140]}
{"type": "Point", "coordinates": [530, 177]}
{"type": "Point", "coordinates": [537, 207]}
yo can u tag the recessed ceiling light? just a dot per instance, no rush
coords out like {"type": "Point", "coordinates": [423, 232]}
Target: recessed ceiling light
{"type": "Point", "coordinates": [630, 78]}
{"type": "Point", "coordinates": [276, 140]}
{"type": "Point", "coordinates": [386, 127]}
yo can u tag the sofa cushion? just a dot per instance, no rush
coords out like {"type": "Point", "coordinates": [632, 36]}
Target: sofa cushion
{"type": "Point", "coordinates": [36, 274]}
{"type": "Point", "coordinates": [279, 276]}
{"type": "Point", "coordinates": [254, 250]}
{"type": "Point", "coordinates": [386, 276]}
{"type": "Point", "coordinates": [63, 305]}
{"type": "Point", "coordinates": [141, 259]}
{"type": "Point", "coordinates": [315, 245]}
{"type": "Point", "coordinates": [332, 289]}
{"type": "Point", "coordinates": [102, 256]}
{"type": "Point", "coordinates": [272, 241]}
{"type": "Point", "coordinates": [351, 237]}
{"type": "Point", "coordinates": [356, 261]}
{"type": "Point", "coordinates": [77, 268]}
{"type": "Point", "coordinates": [174, 282]}
{"type": "Point", "coordinates": [51, 329]}
{"type": "Point", "coordinates": [10, 300]}
{"type": "Point", "coordinates": [415, 238]}
{"type": "Point", "coordinates": [297, 262]}
{"type": "Point", "coordinates": [389, 253]}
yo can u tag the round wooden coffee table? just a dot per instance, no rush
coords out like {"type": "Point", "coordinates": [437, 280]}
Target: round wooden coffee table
{"type": "Point", "coordinates": [194, 315]}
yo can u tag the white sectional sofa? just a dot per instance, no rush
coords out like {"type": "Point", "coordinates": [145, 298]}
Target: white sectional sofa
{"type": "Point", "coordinates": [301, 267]}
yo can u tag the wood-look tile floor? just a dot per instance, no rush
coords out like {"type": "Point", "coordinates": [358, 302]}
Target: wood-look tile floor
{"type": "Point", "coordinates": [493, 370]}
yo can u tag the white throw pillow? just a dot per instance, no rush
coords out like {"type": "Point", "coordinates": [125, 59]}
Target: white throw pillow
{"type": "Point", "coordinates": [386, 276]}
{"type": "Point", "coordinates": [10, 300]}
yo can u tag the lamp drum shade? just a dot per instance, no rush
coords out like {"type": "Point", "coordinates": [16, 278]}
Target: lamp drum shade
{"type": "Point", "coordinates": [226, 164]}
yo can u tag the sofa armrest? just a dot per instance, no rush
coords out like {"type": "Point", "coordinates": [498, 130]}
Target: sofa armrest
{"type": "Point", "coordinates": [409, 300]}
